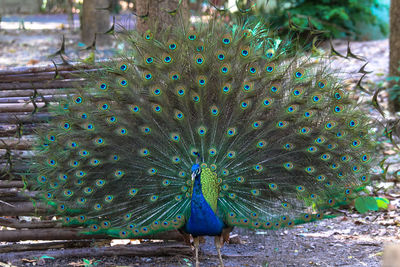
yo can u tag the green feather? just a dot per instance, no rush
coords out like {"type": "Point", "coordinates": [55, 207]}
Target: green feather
{"type": "Point", "coordinates": [279, 137]}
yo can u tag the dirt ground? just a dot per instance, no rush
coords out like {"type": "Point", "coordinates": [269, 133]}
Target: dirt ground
{"type": "Point", "coordinates": [353, 240]}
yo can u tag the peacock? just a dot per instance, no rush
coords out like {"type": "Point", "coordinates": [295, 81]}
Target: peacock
{"type": "Point", "coordinates": [202, 128]}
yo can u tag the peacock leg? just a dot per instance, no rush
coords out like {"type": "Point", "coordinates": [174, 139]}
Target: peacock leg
{"type": "Point", "coordinates": [218, 244]}
{"type": "Point", "coordinates": [196, 250]}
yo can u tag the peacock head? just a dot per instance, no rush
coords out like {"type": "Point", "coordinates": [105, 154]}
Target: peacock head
{"type": "Point", "coordinates": [196, 171]}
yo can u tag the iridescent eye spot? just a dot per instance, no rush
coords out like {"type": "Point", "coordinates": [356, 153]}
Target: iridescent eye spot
{"type": "Point", "coordinates": [353, 123]}
{"type": "Point", "coordinates": [365, 158]}
{"type": "Point", "coordinates": [172, 46]}
{"type": "Point", "coordinates": [226, 41]}
{"type": "Point", "coordinates": [325, 156]}
{"type": "Point", "coordinates": [132, 192]}
{"type": "Point", "coordinates": [214, 111]}
{"type": "Point", "coordinates": [196, 98]}
{"type": "Point", "coordinates": [99, 141]}
{"type": "Point", "coordinates": [135, 109]}
{"type": "Point", "coordinates": [231, 132]}
{"type": "Point", "coordinates": [119, 173]}
{"type": "Point", "coordinates": [153, 198]}
{"type": "Point", "coordinates": [244, 104]}
{"type": "Point", "coordinates": [224, 69]}
{"type": "Point", "coordinates": [182, 174]}
{"type": "Point", "coordinates": [256, 124]}
{"type": "Point", "coordinates": [267, 102]}
{"type": "Point", "coordinates": [167, 59]}
{"type": "Point", "coordinates": [146, 130]}
{"type": "Point", "coordinates": [202, 81]}
{"type": "Point", "coordinates": [212, 151]}
{"type": "Point", "coordinates": [288, 165]}
{"type": "Point", "coordinates": [338, 96]}
{"type": "Point", "coordinates": [221, 57]}
{"type": "Point", "coordinates": [181, 92]}
{"type": "Point", "coordinates": [316, 99]}
{"type": "Point", "coordinates": [296, 92]}
{"type": "Point", "coordinates": [273, 186]}
{"type": "Point", "coordinates": [175, 137]}
{"type": "Point", "coordinates": [104, 107]}
{"type": "Point", "coordinates": [179, 115]}
{"type": "Point", "coordinates": [356, 143]}
{"type": "Point", "coordinates": [78, 100]}
{"type": "Point", "coordinates": [261, 144]}
{"type": "Point", "coordinates": [231, 154]}
{"type": "Point", "coordinates": [310, 169]}
{"type": "Point", "coordinates": [300, 188]}
{"type": "Point", "coordinates": [100, 182]}
{"type": "Point", "coordinates": [202, 131]}
{"type": "Point", "coordinates": [244, 52]}
{"type": "Point", "coordinates": [103, 86]}
{"type": "Point", "coordinates": [240, 179]}
{"type": "Point", "coordinates": [108, 198]}
{"type": "Point", "coordinates": [52, 162]}
{"type": "Point", "coordinates": [321, 84]}
{"type": "Point", "coordinates": [123, 82]}
{"type": "Point", "coordinates": [298, 74]}
{"type": "Point", "coordinates": [288, 146]}
{"type": "Point", "coordinates": [192, 37]}
{"type": "Point", "coordinates": [157, 108]}
{"type": "Point", "coordinates": [269, 69]}
{"type": "Point", "coordinates": [305, 130]}
{"type": "Point", "coordinates": [166, 182]}
{"type": "Point", "coordinates": [274, 89]}
{"type": "Point", "coordinates": [122, 131]}
{"type": "Point", "coordinates": [281, 124]}
{"type": "Point", "coordinates": [66, 126]}
{"type": "Point", "coordinates": [338, 109]}
{"type": "Point", "coordinates": [330, 125]}
{"type": "Point", "coordinates": [199, 61]}
{"type": "Point", "coordinates": [321, 178]}
{"type": "Point", "coordinates": [144, 152]}
{"type": "Point", "coordinates": [226, 89]}
{"type": "Point", "coordinates": [123, 67]}
{"type": "Point", "coordinates": [312, 149]}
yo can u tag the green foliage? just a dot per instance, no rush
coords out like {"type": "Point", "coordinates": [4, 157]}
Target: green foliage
{"type": "Point", "coordinates": [364, 204]}
{"type": "Point", "coordinates": [367, 203]}
{"type": "Point", "coordinates": [337, 18]}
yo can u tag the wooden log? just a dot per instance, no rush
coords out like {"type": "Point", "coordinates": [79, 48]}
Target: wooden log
{"type": "Point", "coordinates": [19, 107]}
{"type": "Point", "coordinates": [29, 92]}
{"type": "Point", "coordinates": [48, 68]}
{"type": "Point", "coordinates": [13, 129]}
{"type": "Point", "coordinates": [16, 193]}
{"type": "Point", "coordinates": [45, 245]}
{"type": "Point", "coordinates": [27, 99]}
{"type": "Point", "coordinates": [22, 209]}
{"type": "Point", "coordinates": [43, 76]}
{"type": "Point", "coordinates": [68, 233]}
{"type": "Point", "coordinates": [11, 184]}
{"type": "Point", "coordinates": [15, 144]}
{"type": "Point", "coordinates": [13, 223]}
{"type": "Point", "coordinates": [42, 85]}
{"type": "Point", "coordinates": [140, 250]}
{"type": "Point", "coordinates": [24, 118]}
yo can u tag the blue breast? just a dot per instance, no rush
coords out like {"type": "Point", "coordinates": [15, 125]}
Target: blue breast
{"type": "Point", "coordinates": [202, 220]}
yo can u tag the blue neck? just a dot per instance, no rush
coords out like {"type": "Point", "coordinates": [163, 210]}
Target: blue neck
{"type": "Point", "coordinates": [202, 220]}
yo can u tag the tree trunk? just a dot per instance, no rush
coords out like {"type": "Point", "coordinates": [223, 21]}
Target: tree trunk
{"type": "Point", "coordinates": [95, 20]}
{"type": "Point", "coordinates": [153, 13]}
{"type": "Point", "coordinates": [395, 47]}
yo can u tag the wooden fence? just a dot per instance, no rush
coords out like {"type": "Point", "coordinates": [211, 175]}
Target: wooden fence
{"type": "Point", "coordinates": [25, 94]}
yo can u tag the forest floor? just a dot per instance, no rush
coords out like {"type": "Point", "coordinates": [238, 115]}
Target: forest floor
{"type": "Point", "coordinates": [352, 240]}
